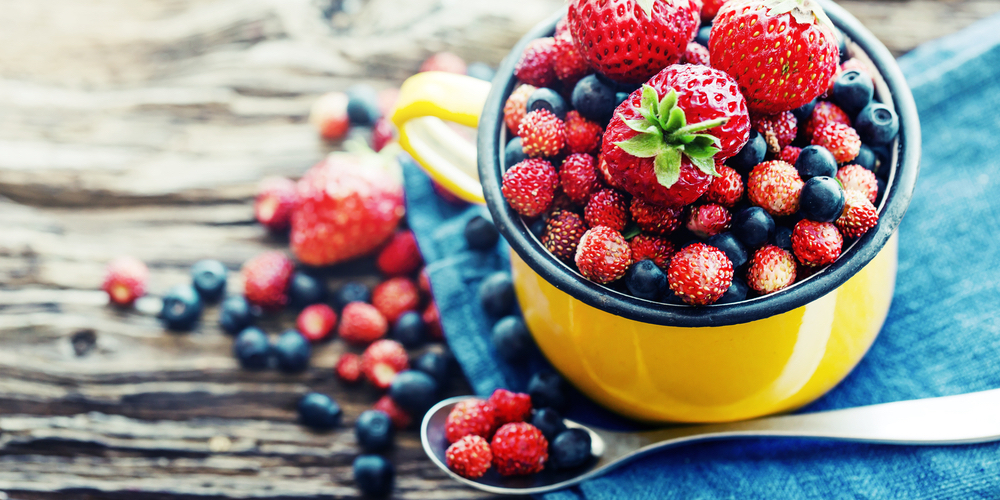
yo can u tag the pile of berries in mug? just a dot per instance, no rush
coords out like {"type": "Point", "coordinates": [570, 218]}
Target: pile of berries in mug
{"type": "Point", "coordinates": [699, 165]}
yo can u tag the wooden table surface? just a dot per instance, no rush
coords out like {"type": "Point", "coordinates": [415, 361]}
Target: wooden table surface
{"type": "Point", "coordinates": [141, 127]}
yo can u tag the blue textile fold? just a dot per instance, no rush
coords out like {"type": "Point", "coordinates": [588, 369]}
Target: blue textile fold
{"type": "Point", "coordinates": [942, 336]}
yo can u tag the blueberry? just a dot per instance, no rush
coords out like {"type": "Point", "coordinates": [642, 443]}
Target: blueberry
{"type": "Point", "coordinates": [513, 153]}
{"type": "Point", "coordinates": [620, 97]}
{"type": "Point", "coordinates": [252, 348]}
{"type": "Point", "coordinates": [783, 238]}
{"type": "Point", "coordinates": [548, 390]}
{"type": "Point", "coordinates": [737, 292]}
{"type": "Point", "coordinates": [209, 279]}
{"type": "Point", "coordinates": [352, 291]}
{"type": "Point", "coordinates": [414, 391]}
{"type": "Point", "coordinates": [434, 364]}
{"type": "Point", "coordinates": [305, 290]}
{"type": "Point", "coordinates": [374, 431]}
{"type": "Point", "coordinates": [318, 411]}
{"type": "Point", "coordinates": [409, 330]}
{"type": "Point", "coordinates": [815, 161]}
{"type": "Point", "coordinates": [538, 227]}
{"type": "Point", "coordinates": [236, 314]}
{"type": "Point", "coordinates": [362, 105]}
{"type": "Point", "coordinates": [751, 155]}
{"type": "Point", "coordinates": [704, 34]}
{"type": "Point", "coordinates": [852, 91]}
{"type": "Point", "coordinates": [865, 158]}
{"type": "Point", "coordinates": [645, 280]}
{"type": "Point", "coordinates": [181, 308]}
{"type": "Point", "coordinates": [822, 199]}
{"type": "Point", "coordinates": [549, 421]}
{"type": "Point", "coordinates": [593, 99]}
{"type": "Point", "coordinates": [571, 448]}
{"type": "Point", "coordinates": [731, 246]}
{"type": "Point", "coordinates": [512, 340]}
{"type": "Point", "coordinates": [882, 161]}
{"type": "Point", "coordinates": [877, 124]}
{"type": "Point", "coordinates": [292, 351]}
{"type": "Point", "coordinates": [546, 98]}
{"type": "Point", "coordinates": [480, 233]}
{"type": "Point", "coordinates": [753, 226]}
{"type": "Point", "coordinates": [481, 71]}
{"type": "Point", "coordinates": [374, 475]}
{"type": "Point", "coordinates": [802, 113]}
{"type": "Point", "coordinates": [496, 293]}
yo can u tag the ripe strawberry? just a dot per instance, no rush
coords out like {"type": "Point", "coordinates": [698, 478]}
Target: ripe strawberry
{"type": "Point", "coordinates": [349, 367]}
{"type": "Point", "coordinates": [361, 323]}
{"type": "Point", "coordinates": [569, 65]}
{"type": "Point", "coordinates": [510, 406]}
{"type": "Point", "coordinates": [578, 177]}
{"type": "Point", "coordinates": [471, 417]}
{"type": "Point", "coordinates": [275, 202]}
{"type": "Point", "coordinates": [699, 274]}
{"type": "Point", "coordinates": [779, 129]}
{"type": "Point", "coordinates": [775, 186]}
{"type": "Point", "coordinates": [655, 248]}
{"type": "Point", "coordinates": [537, 63]}
{"type": "Point", "coordinates": [790, 154]}
{"type": "Point", "coordinates": [562, 234]}
{"type": "Point", "coordinates": [395, 296]}
{"type": "Point", "coordinates": [348, 206]}
{"type": "Point", "coordinates": [605, 171]}
{"type": "Point", "coordinates": [542, 133]}
{"type": "Point", "coordinates": [316, 322]}
{"type": "Point", "coordinates": [656, 220]}
{"type": "Point", "coordinates": [696, 53]}
{"type": "Point", "coordinates": [606, 207]}
{"type": "Point", "coordinates": [400, 256]}
{"type": "Point", "coordinates": [125, 280]}
{"type": "Point", "coordinates": [816, 243]}
{"type": "Point", "coordinates": [516, 106]}
{"type": "Point", "coordinates": [631, 40]}
{"type": "Point", "coordinates": [266, 278]}
{"type": "Point", "coordinates": [782, 53]}
{"type": "Point", "coordinates": [582, 135]}
{"type": "Point", "coordinates": [726, 189]}
{"type": "Point", "coordinates": [771, 269]}
{"type": "Point", "coordinates": [400, 419]}
{"type": "Point", "coordinates": [858, 178]}
{"type": "Point", "coordinates": [432, 319]}
{"type": "Point", "coordinates": [469, 457]}
{"type": "Point", "coordinates": [329, 116]}
{"type": "Point", "coordinates": [530, 186]}
{"type": "Point", "coordinates": [444, 61]}
{"type": "Point", "coordinates": [382, 360]}
{"type": "Point", "coordinates": [842, 140]}
{"type": "Point", "coordinates": [858, 217]}
{"type": "Point", "coordinates": [709, 9]}
{"type": "Point", "coordinates": [715, 127]}
{"type": "Point", "coordinates": [603, 255]}
{"type": "Point", "coordinates": [708, 220]}
{"type": "Point", "coordinates": [825, 112]}
{"type": "Point", "coordinates": [519, 448]}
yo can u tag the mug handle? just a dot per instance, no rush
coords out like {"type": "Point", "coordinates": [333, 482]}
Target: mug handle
{"type": "Point", "coordinates": [426, 101]}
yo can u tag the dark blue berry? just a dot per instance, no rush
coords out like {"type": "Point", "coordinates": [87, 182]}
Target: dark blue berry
{"type": "Point", "coordinates": [292, 351]}
{"type": "Point", "coordinates": [481, 233]}
{"type": "Point", "coordinates": [209, 279]}
{"type": "Point", "coordinates": [409, 330]}
{"type": "Point", "coordinates": [512, 340]}
{"type": "Point", "coordinates": [751, 155]}
{"type": "Point", "coordinates": [546, 98]}
{"type": "Point", "coordinates": [548, 390]}
{"type": "Point", "coordinates": [252, 348]}
{"type": "Point", "coordinates": [496, 293]}
{"type": "Point", "coordinates": [877, 124]}
{"type": "Point", "coordinates": [571, 448]}
{"type": "Point", "coordinates": [753, 226]}
{"type": "Point", "coordinates": [822, 199]}
{"type": "Point", "coordinates": [704, 34]}
{"type": "Point", "coordinates": [318, 411]}
{"type": "Point", "coordinates": [865, 158]}
{"type": "Point", "coordinates": [362, 105]}
{"type": "Point", "coordinates": [513, 153]}
{"type": "Point", "coordinates": [816, 161]}
{"type": "Point", "coordinates": [852, 91]}
{"type": "Point", "coordinates": [549, 421]}
{"type": "Point", "coordinates": [435, 364]}
{"type": "Point", "coordinates": [593, 99]}
{"type": "Point", "coordinates": [481, 71]}
{"type": "Point", "coordinates": [646, 280]}
{"type": "Point", "coordinates": [783, 238]}
{"type": "Point", "coordinates": [181, 308]}
{"type": "Point", "coordinates": [352, 291]}
{"type": "Point", "coordinates": [731, 246]}
{"type": "Point", "coordinates": [669, 297]}
{"type": "Point", "coordinates": [373, 475]}
{"type": "Point", "coordinates": [737, 292]}
{"type": "Point", "coordinates": [305, 290]}
{"type": "Point", "coordinates": [620, 98]}
{"type": "Point", "coordinates": [414, 391]}
{"type": "Point", "coordinates": [882, 161]}
{"type": "Point", "coordinates": [374, 431]}
{"type": "Point", "coordinates": [538, 227]}
{"type": "Point", "coordinates": [236, 314]}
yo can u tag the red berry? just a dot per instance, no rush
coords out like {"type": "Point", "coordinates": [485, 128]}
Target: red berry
{"type": "Point", "coordinates": [542, 133]}
{"type": "Point", "coordinates": [316, 322]}
{"type": "Point", "coordinates": [708, 220]}
{"type": "Point", "coordinates": [825, 112]}
{"type": "Point", "coordinates": [400, 256]}
{"type": "Point", "coordinates": [471, 417]}
{"type": "Point", "coordinates": [657, 220]}
{"type": "Point", "coordinates": [382, 360]}
{"type": "Point", "coordinates": [562, 234]}
{"type": "Point", "coordinates": [816, 243]}
{"type": "Point", "coordinates": [275, 201]}
{"type": "Point", "coordinates": [400, 419]}
{"type": "Point", "coordinates": [858, 178]}
{"type": "Point", "coordinates": [842, 140]}
{"type": "Point", "coordinates": [432, 319]}
{"type": "Point", "coordinates": [603, 255]}
{"type": "Point", "coordinates": [709, 9]}
{"type": "Point", "coordinates": [696, 53]}
{"type": "Point", "coordinates": [771, 269]}
{"type": "Point", "coordinates": [578, 177]}
{"type": "Point", "coordinates": [444, 61]}
{"type": "Point", "coordinates": [125, 280]}
{"type": "Point", "coordinates": [775, 186]}
{"type": "Point", "coordinates": [582, 135]}
{"type": "Point", "coordinates": [516, 107]}
{"type": "Point", "coordinates": [361, 323]}
{"type": "Point", "coordinates": [266, 278]}
{"type": "Point", "coordinates": [790, 154]}
{"type": "Point", "coordinates": [329, 116]}
{"type": "Point", "coordinates": [349, 367]}
{"type": "Point", "coordinates": [655, 248]}
{"type": "Point", "coordinates": [726, 189]}
{"type": "Point", "coordinates": [699, 274]}
{"type": "Point", "coordinates": [607, 207]}
{"type": "Point", "coordinates": [530, 186]}
{"type": "Point", "coordinates": [383, 132]}
{"type": "Point", "coordinates": [779, 129]}
{"type": "Point", "coordinates": [395, 296]}
{"type": "Point", "coordinates": [510, 406]}
{"type": "Point", "coordinates": [858, 217]}
{"type": "Point", "coordinates": [569, 64]}
{"type": "Point", "coordinates": [469, 457]}
{"type": "Point", "coordinates": [537, 63]}
{"type": "Point", "coordinates": [519, 448]}
{"type": "Point", "coordinates": [424, 282]}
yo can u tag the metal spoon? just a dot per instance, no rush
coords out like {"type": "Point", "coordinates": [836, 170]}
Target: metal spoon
{"type": "Point", "coordinates": [962, 419]}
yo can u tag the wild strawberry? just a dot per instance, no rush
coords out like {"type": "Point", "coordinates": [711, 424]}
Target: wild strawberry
{"type": "Point", "coordinates": [771, 269]}
{"type": "Point", "coordinates": [316, 322]}
{"type": "Point", "coordinates": [562, 234]}
{"type": "Point", "coordinates": [726, 189]}
{"type": "Point", "coordinates": [779, 130]}
{"type": "Point", "coordinates": [858, 178]}
{"type": "Point", "coordinates": [709, 9]}
{"type": "Point", "coordinates": [530, 186]}
{"type": "Point", "coordinates": [696, 53]}
{"type": "Point", "coordinates": [606, 207]}
{"type": "Point", "coordinates": [653, 219]}
{"type": "Point", "coordinates": [432, 319]}
{"type": "Point", "coordinates": [708, 220]}
{"type": "Point", "coordinates": [825, 112]}
{"type": "Point", "coordinates": [400, 256]}
{"type": "Point", "coordinates": [790, 154]}
{"type": "Point", "coordinates": [125, 280]}
{"type": "Point", "coordinates": [348, 367]}
{"type": "Point", "coordinates": [563, 202]}
{"type": "Point", "coordinates": [630, 41]}
{"type": "Point", "coordinates": [395, 296]}
{"type": "Point", "coordinates": [361, 323]}
{"type": "Point", "coordinates": [519, 448]}
{"type": "Point", "coordinates": [816, 243]}
{"type": "Point", "coordinates": [715, 127]}
{"type": "Point", "coordinates": [400, 419]}
{"type": "Point", "coordinates": [471, 417]}
{"type": "Point", "coordinates": [858, 217]}
{"type": "Point", "coordinates": [469, 457]}
{"type": "Point", "coordinates": [542, 133]}
{"type": "Point", "coordinates": [578, 177]}
{"type": "Point", "coordinates": [569, 65]}
{"type": "Point", "coordinates": [782, 54]}
{"type": "Point", "coordinates": [603, 255]}
{"type": "Point", "coordinates": [516, 107]}
{"type": "Point", "coordinates": [699, 274]}
{"type": "Point", "coordinates": [444, 61]}
{"type": "Point", "coordinates": [348, 206]}
{"type": "Point", "coordinates": [582, 135]}
{"type": "Point", "coordinates": [266, 278]}
{"type": "Point", "coordinates": [329, 116]}
{"type": "Point", "coordinates": [842, 140]}
{"type": "Point", "coordinates": [605, 171]}
{"type": "Point", "coordinates": [655, 248]}
{"type": "Point", "coordinates": [775, 186]}
{"type": "Point", "coordinates": [275, 201]}
{"type": "Point", "coordinates": [510, 406]}
{"type": "Point", "coordinates": [382, 360]}
{"type": "Point", "coordinates": [537, 63]}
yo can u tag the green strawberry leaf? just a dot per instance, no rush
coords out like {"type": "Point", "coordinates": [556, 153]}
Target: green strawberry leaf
{"type": "Point", "coordinates": [667, 166]}
{"type": "Point", "coordinates": [706, 165]}
{"type": "Point", "coordinates": [643, 145]}
{"type": "Point", "coordinates": [668, 103]}
{"type": "Point", "coordinates": [641, 126]}
{"type": "Point", "coordinates": [631, 231]}
{"type": "Point", "coordinates": [674, 120]}
{"type": "Point", "coordinates": [649, 99]}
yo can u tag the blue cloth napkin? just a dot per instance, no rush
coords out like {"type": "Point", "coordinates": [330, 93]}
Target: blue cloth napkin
{"type": "Point", "coordinates": [942, 336]}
